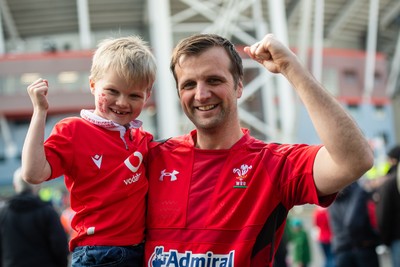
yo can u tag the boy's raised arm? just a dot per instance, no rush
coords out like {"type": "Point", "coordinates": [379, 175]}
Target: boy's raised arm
{"type": "Point", "coordinates": [35, 168]}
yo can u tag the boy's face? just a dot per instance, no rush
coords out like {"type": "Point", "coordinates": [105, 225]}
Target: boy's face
{"type": "Point", "coordinates": [116, 100]}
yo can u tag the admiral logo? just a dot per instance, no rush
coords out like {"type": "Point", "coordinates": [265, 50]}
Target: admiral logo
{"type": "Point", "coordinates": [241, 176]}
{"type": "Point", "coordinates": [173, 258]}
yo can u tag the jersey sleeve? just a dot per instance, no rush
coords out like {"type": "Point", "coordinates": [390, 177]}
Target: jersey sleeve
{"type": "Point", "coordinates": [295, 175]}
{"type": "Point", "coordinates": [59, 148]}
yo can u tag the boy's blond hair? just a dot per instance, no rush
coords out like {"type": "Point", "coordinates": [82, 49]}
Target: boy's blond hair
{"type": "Point", "coordinates": [129, 56]}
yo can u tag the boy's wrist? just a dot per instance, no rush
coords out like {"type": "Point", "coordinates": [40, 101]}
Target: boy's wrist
{"type": "Point", "coordinates": [39, 111]}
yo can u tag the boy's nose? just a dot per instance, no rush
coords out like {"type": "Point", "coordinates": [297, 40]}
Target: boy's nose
{"type": "Point", "coordinates": [122, 101]}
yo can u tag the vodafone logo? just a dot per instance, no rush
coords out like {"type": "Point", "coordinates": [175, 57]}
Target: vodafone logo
{"type": "Point", "coordinates": [128, 161]}
{"type": "Point", "coordinates": [133, 163]}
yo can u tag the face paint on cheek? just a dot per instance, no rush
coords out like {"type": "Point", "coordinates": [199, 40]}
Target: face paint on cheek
{"type": "Point", "coordinates": [102, 102]}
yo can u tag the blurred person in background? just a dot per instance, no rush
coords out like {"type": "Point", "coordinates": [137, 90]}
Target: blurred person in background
{"type": "Point", "coordinates": [354, 237]}
{"type": "Point", "coordinates": [31, 233]}
{"type": "Point", "coordinates": [301, 244]}
{"type": "Point", "coordinates": [388, 207]}
{"type": "Point", "coordinates": [281, 255]}
{"type": "Point", "coordinates": [324, 234]}
{"type": "Point", "coordinates": [67, 214]}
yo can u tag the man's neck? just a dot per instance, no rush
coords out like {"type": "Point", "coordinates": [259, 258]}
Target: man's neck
{"type": "Point", "coordinates": [217, 139]}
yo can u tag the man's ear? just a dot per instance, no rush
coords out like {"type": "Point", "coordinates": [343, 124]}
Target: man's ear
{"type": "Point", "coordinates": [239, 89]}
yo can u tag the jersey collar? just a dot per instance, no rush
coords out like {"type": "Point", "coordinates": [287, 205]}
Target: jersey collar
{"type": "Point", "coordinates": [89, 116]}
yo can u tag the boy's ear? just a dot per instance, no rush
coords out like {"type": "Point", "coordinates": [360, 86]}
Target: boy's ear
{"type": "Point", "coordinates": [148, 94]}
{"type": "Point", "coordinates": [92, 86]}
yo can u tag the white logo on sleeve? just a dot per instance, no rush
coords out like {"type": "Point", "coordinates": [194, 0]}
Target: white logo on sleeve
{"type": "Point", "coordinates": [97, 160]}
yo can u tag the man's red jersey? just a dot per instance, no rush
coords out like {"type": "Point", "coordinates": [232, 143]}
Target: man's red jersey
{"type": "Point", "coordinates": [209, 208]}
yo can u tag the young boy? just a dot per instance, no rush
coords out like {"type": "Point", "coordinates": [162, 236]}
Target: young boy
{"type": "Point", "coordinates": [100, 155]}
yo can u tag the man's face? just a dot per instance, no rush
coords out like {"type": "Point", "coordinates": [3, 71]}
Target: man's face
{"type": "Point", "coordinates": [116, 100]}
{"type": "Point", "coordinates": [207, 90]}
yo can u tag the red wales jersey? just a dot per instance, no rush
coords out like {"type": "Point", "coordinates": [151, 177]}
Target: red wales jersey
{"type": "Point", "coordinates": [103, 170]}
{"type": "Point", "coordinates": [214, 208]}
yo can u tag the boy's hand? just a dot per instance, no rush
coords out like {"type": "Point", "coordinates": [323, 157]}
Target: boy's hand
{"type": "Point", "coordinates": [38, 93]}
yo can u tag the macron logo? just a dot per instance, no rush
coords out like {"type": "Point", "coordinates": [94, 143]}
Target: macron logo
{"type": "Point", "coordinates": [97, 160]}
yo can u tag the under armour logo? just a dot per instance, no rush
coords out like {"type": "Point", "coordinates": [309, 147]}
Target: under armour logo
{"type": "Point", "coordinates": [171, 174]}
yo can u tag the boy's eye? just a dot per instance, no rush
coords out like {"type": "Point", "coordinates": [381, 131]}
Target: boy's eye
{"type": "Point", "coordinates": [112, 91]}
{"type": "Point", "coordinates": [135, 96]}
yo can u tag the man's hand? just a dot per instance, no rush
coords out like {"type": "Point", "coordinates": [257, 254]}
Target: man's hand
{"type": "Point", "coordinates": [272, 54]}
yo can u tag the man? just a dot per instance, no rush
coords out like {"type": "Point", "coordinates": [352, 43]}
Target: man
{"type": "Point", "coordinates": [354, 239]}
{"type": "Point", "coordinates": [219, 197]}
{"type": "Point", "coordinates": [388, 207]}
{"type": "Point", "coordinates": [322, 226]}
{"type": "Point", "coordinates": [31, 233]}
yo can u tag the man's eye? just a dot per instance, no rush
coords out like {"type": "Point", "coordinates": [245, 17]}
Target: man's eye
{"type": "Point", "coordinates": [187, 86]}
{"type": "Point", "coordinates": [214, 81]}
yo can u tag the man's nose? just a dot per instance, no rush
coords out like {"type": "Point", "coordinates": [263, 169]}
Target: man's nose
{"type": "Point", "coordinates": [202, 92]}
